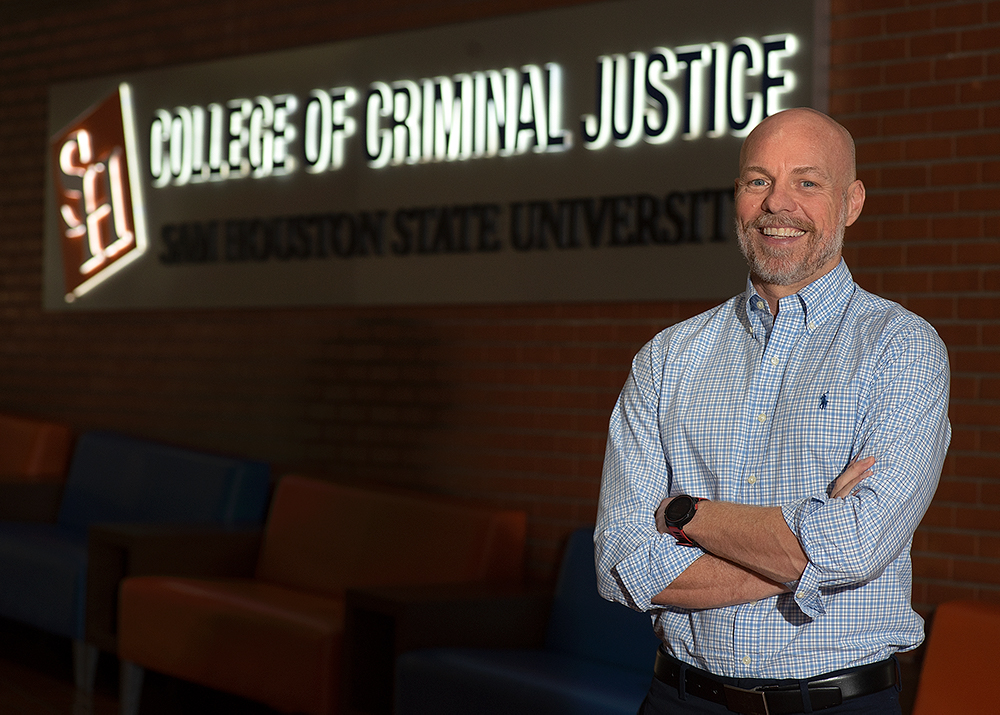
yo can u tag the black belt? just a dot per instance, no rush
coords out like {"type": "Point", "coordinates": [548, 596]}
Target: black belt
{"type": "Point", "coordinates": [779, 696]}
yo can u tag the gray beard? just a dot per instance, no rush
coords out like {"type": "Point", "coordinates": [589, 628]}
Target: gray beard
{"type": "Point", "coordinates": [773, 265]}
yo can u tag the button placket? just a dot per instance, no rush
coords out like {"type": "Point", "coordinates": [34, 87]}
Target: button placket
{"type": "Point", "coordinates": [763, 382]}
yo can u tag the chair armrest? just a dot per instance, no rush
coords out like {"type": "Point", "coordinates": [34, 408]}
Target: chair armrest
{"type": "Point", "coordinates": [117, 551]}
{"type": "Point", "coordinates": [30, 501]}
{"type": "Point", "coordinates": [382, 622]}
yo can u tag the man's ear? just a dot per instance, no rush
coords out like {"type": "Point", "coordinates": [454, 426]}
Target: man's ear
{"type": "Point", "coordinates": [855, 201]}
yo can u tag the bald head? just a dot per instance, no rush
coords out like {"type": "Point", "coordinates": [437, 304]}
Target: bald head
{"type": "Point", "coordinates": [811, 124]}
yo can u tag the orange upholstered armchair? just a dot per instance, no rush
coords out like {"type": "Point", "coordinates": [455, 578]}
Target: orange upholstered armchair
{"type": "Point", "coordinates": [33, 450]}
{"type": "Point", "coordinates": [34, 460]}
{"type": "Point", "coordinates": [961, 660]}
{"type": "Point", "coordinates": [276, 637]}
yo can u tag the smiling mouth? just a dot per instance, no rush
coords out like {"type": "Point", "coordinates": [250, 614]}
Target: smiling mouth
{"type": "Point", "coordinates": [781, 232]}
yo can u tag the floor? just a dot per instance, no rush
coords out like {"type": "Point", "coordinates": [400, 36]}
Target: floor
{"type": "Point", "coordinates": [36, 679]}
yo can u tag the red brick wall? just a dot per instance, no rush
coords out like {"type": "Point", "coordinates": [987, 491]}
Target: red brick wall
{"type": "Point", "coordinates": [918, 84]}
{"type": "Point", "coordinates": [507, 404]}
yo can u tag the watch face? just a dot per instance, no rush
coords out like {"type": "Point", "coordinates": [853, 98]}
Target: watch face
{"type": "Point", "coordinates": [678, 508]}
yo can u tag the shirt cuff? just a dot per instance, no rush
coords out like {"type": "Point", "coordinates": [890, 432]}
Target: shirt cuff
{"type": "Point", "coordinates": [646, 574]}
{"type": "Point", "coordinates": [807, 593]}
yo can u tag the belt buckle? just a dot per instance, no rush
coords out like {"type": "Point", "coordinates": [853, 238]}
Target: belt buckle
{"type": "Point", "coordinates": [746, 702]}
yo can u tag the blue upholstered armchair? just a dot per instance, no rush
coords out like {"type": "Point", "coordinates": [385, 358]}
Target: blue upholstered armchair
{"type": "Point", "coordinates": [597, 659]}
{"type": "Point", "coordinates": [116, 479]}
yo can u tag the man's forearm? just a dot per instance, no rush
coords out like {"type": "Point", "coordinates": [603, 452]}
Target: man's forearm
{"type": "Point", "coordinates": [711, 582]}
{"type": "Point", "coordinates": [754, 537]}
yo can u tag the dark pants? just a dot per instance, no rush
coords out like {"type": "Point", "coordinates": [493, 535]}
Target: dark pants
{"type": "Point", "coordinates": [663, 699]}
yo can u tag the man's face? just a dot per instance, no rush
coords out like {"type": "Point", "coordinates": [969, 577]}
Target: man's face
{"type": "Point", "coordinates": [794, 198]}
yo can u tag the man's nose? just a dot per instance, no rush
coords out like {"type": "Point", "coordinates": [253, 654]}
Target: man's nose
{"type": "Point", "coordinates": [778, 199]}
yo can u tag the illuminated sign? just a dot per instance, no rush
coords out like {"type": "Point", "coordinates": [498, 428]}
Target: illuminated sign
{"type": "Point", "coordinates": [698, 90]}
{"type": "Point", "coordinates": [638, 98]}
{"type": "Point", "coordinates": [100, 199]}
{"type": "Point", "coordinates": [476, 115]}
{"type": "Point", "coordinates": [243, 137]}
{"type": "Point", "coordinates": [584, 153]}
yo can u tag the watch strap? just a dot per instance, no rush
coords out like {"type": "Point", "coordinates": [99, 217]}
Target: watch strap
{"type": "Point", "coordinates": [678, 533]}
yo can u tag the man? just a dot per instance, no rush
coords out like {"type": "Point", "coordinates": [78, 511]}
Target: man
{"type": "Point", "coordinates": [811, 418]}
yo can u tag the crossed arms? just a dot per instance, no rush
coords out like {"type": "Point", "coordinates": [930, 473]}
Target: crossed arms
{"type": "Point", "coordinates": [750, 551]}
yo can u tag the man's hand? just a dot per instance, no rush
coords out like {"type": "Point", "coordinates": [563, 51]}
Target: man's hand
{"type": "Point", "coordinates": [855, 472]}
{"type": "Point", "coordinates": [661, 525]}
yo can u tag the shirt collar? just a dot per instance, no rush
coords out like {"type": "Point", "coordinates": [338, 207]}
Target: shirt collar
{"type": "Point", "coordinates": [821, 299]}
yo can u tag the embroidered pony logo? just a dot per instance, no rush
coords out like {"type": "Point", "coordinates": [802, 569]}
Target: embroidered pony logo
{"type": "Point", "coordinates": [823, 401]}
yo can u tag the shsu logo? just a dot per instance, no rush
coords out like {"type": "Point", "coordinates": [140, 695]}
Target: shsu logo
{"type": "Point", "coordinates": [98, 194]}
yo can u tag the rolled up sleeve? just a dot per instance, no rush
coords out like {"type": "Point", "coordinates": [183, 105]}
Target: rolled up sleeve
{"type": "Point", "coordinates": [905, 427]}
{"type": "Point", "coordinates": [635, 561]}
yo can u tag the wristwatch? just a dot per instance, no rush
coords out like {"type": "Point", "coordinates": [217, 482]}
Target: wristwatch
{"type": "Point", "coordinates": [678, 513]}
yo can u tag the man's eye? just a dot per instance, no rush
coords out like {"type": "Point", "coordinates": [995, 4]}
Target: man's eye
{"type": "Point", "coordinates": [757, 182]}
{"type": "Point", "coordinates": [809, 184]}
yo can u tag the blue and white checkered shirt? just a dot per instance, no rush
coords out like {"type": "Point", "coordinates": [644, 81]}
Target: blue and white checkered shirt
{"type": "Point", "coordinates": [730, 406]}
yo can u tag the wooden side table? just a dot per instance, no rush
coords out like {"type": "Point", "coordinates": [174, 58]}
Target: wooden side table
{"type": "Point", "coordinates": [381, 623]}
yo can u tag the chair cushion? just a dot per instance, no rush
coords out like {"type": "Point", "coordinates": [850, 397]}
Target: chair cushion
{"type": "Point", "coordinates": [257, 640]}
{"type": "Point", "coordinates": [445, 681]}
{"type": "Point", "coordinates": [44, 570]}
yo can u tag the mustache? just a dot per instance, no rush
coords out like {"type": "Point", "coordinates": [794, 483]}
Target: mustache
{"type": "Point", "coordinates": [777, 220]}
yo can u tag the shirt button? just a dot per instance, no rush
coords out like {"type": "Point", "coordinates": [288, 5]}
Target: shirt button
{"type": "Point", "coordinates": [760, 305]}
{"type": "Point", "coordinates": [762, 418]}
{"type": "Point", "coordinates": [746, 660]}
{"type": "Point", "coordinates": [775, 361]}
{"type": "Point", "coordinates": [752, 479]}
{"type": "Point", "coordinates": [812, 326]}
